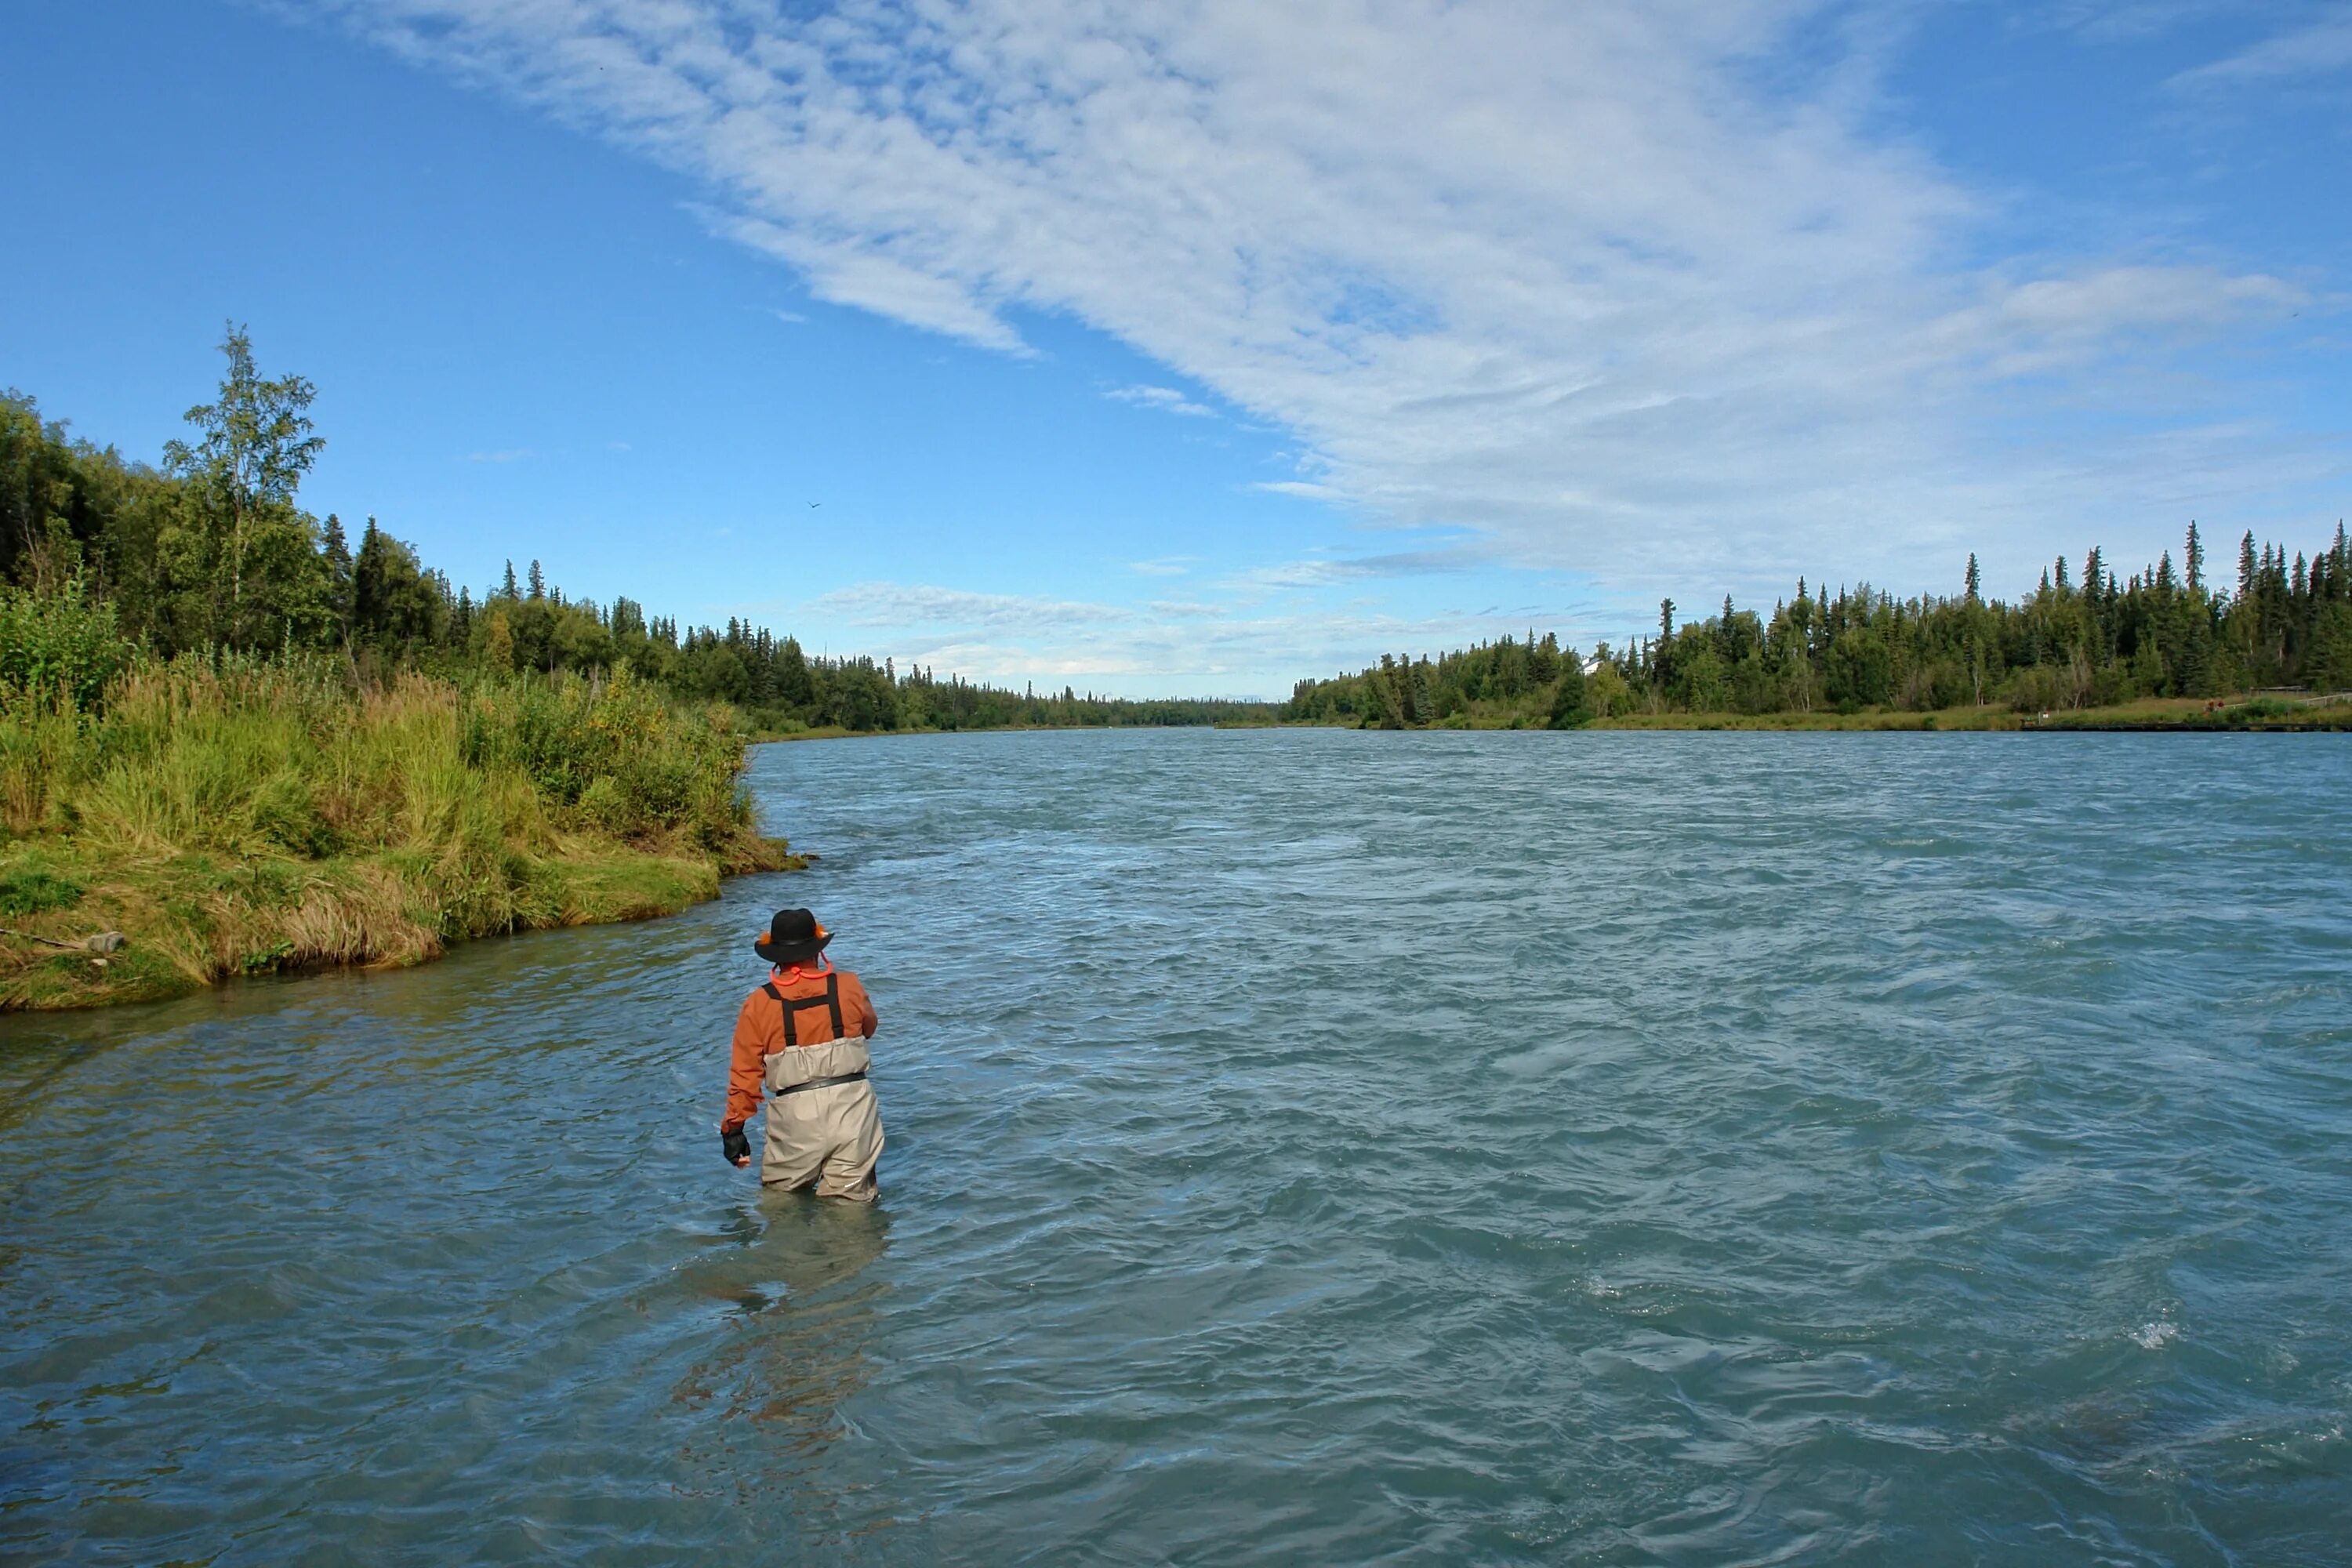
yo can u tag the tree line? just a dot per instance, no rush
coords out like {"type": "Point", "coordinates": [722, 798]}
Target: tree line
{"type": "Point", "coordinates": [2086, 636]}
{"type": "Point", "coordinates": [211, 550]}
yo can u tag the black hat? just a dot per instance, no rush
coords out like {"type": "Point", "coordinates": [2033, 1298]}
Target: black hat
{"type": "Point", "coordinates": [793, 937]}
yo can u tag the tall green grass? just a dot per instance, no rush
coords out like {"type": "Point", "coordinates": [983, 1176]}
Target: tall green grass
{"type": "Point", "coordinates": [233, 813]}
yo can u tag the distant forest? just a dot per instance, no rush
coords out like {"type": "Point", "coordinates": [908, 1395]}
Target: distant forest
{"type": "Point", "coordinates": [2163, 631]}
{"type": "Point", "coordinates": [210, 551]}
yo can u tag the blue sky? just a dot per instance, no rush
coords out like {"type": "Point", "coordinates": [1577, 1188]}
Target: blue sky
{"type": "Point", "coordinates": [1199, 348]}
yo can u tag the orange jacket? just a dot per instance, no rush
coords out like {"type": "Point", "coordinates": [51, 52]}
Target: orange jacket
{"type": "Point", "coordinates": [760, 1030]}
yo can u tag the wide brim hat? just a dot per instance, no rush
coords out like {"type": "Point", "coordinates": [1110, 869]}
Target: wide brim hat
{"type": "Point", "coordinates": [793, 937]}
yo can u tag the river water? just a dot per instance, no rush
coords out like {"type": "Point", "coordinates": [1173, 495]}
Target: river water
{"type": "Point", "coordinates": [1304, 1147]}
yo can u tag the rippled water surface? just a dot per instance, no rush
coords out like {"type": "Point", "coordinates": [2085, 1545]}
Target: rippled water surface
{"type": "Point", "coordinates": [1304, 1147]}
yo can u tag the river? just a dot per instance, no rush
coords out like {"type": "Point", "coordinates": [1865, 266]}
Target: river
{"type": "Point", "coordinates": [1304, 1147]}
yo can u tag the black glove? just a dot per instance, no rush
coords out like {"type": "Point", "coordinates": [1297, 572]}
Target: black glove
{"type": "Point", "coordinates": [734, 1145]}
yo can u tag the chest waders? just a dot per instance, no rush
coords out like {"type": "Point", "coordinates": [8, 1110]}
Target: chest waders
{"type": "Point", "coordinates": [829, 1141]}
{"type": "Point", "coordinates": [832, 1000]}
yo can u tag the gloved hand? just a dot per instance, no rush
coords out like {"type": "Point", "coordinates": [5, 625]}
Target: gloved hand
{"type": "Point", "coordinates": [735, 1146]}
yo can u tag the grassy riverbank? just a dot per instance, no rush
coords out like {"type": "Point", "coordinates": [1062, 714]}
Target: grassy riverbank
{"type": "Point", "coordinates": [234, 816]}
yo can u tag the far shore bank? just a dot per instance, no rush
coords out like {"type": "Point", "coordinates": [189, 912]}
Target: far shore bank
{"type": "Point", "coordinates": [2239, 714]}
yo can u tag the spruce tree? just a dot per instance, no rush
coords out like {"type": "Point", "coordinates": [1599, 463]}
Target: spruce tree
{"type": "Point", "coordinates": [367, 583]}
{"type": "Point", "coordinates": [1571, 708]}
{"type": "Point", "coordinates": [337, 556]}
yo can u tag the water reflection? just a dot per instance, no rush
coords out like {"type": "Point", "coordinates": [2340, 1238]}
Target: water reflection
{"type": "Point", "coordinates": [796, 1346]}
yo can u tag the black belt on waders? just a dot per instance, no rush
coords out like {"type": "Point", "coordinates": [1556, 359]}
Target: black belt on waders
{"type": "Point", "coordinates": [857, 1077]}
{"type": "Point", "coordinates": [832, 1000]}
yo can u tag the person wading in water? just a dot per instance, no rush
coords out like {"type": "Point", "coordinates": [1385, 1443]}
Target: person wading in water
{"type": "Point", "coordinates": [802, 1036]}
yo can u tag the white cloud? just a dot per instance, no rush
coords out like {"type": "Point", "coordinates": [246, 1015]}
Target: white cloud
{"type": "Point", "coordinates": [1165, 566]}
{"type": "Point", "coordinates": [2323, 47]}
{"type": "Point", "coordinates": [1232, 644]}
{"type": "Point", "coordinates": [1320, 573]}
{"type": "Point", "coordinates": [1165, 398]}
{"type": "Point", "coordinates": [1625, 286]}
{"type": "Point", "coordinates": [899, 606]}
{"type": "Point", "coordinates": [2025, 329]}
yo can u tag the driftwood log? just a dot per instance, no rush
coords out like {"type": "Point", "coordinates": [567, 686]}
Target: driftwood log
{"type": "Point", "coordinates": [104, 942]}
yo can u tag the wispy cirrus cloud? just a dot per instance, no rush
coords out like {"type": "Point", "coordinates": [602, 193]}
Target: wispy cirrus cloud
{"type": "Point", "coordinates": [2317, 48]}
{"type": "Point", "coordinates": [1225, 644]}
{"type": "Point", "coordinates": [1165, 398]}
{"type": "Point", "coordinates": [918, 608]}
{"type": "Point", "coordinates": [1641, 287]}
{"type": "Point", "coordinates": [1320, 573]}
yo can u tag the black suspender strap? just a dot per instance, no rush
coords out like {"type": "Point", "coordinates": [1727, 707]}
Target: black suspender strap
{"type": "Point", "coordinates": [832, 1001]}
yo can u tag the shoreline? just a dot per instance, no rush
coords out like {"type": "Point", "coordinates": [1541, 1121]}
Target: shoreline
{"type": "Point", "coordinates": [193, 919]}
{"type": "Point", "coordinates": [194, 922]}
{"type": "Point", "coordinates": [2243, 713]}
{"type": "Point", "coordinates": [209, 820]}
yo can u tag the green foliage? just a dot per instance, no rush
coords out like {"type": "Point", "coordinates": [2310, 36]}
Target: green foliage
{"type": "Point", "coordinates": [1572, 705]}
{"type": "Point", "coordinates": [2330, 662]}
{"type": "Point", "coordinates": [236, 813]}
{"type": "Point", "coordinates": [242, 567]}
{"type": "Point", "coordinates": [215, 555]}
{"type": "Point", "coordinates": [214, 552]}
{"type": "Point", "coordinates": [2158, 634]}
{"type": "Point", "coordinates": [27, 890]}
{"type": "Point", "coordinates": [1859, 671]}
{"type": "Point", "coordinates": [289, 815]}
{"type": "Point", "coordinates": [260, 758]}
{"type": "Point", "coordinates": [60, 647]}
{"type": "Point", "coordinates": [615, 757]}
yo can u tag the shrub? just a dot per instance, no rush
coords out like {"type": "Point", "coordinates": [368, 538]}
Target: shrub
{"type": "Point", "coordinates": [2037, 690]}
{"type": "Point", "coordinates": [1571, 706]}
{"type": "Point", "coordinates": [62, 649]}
